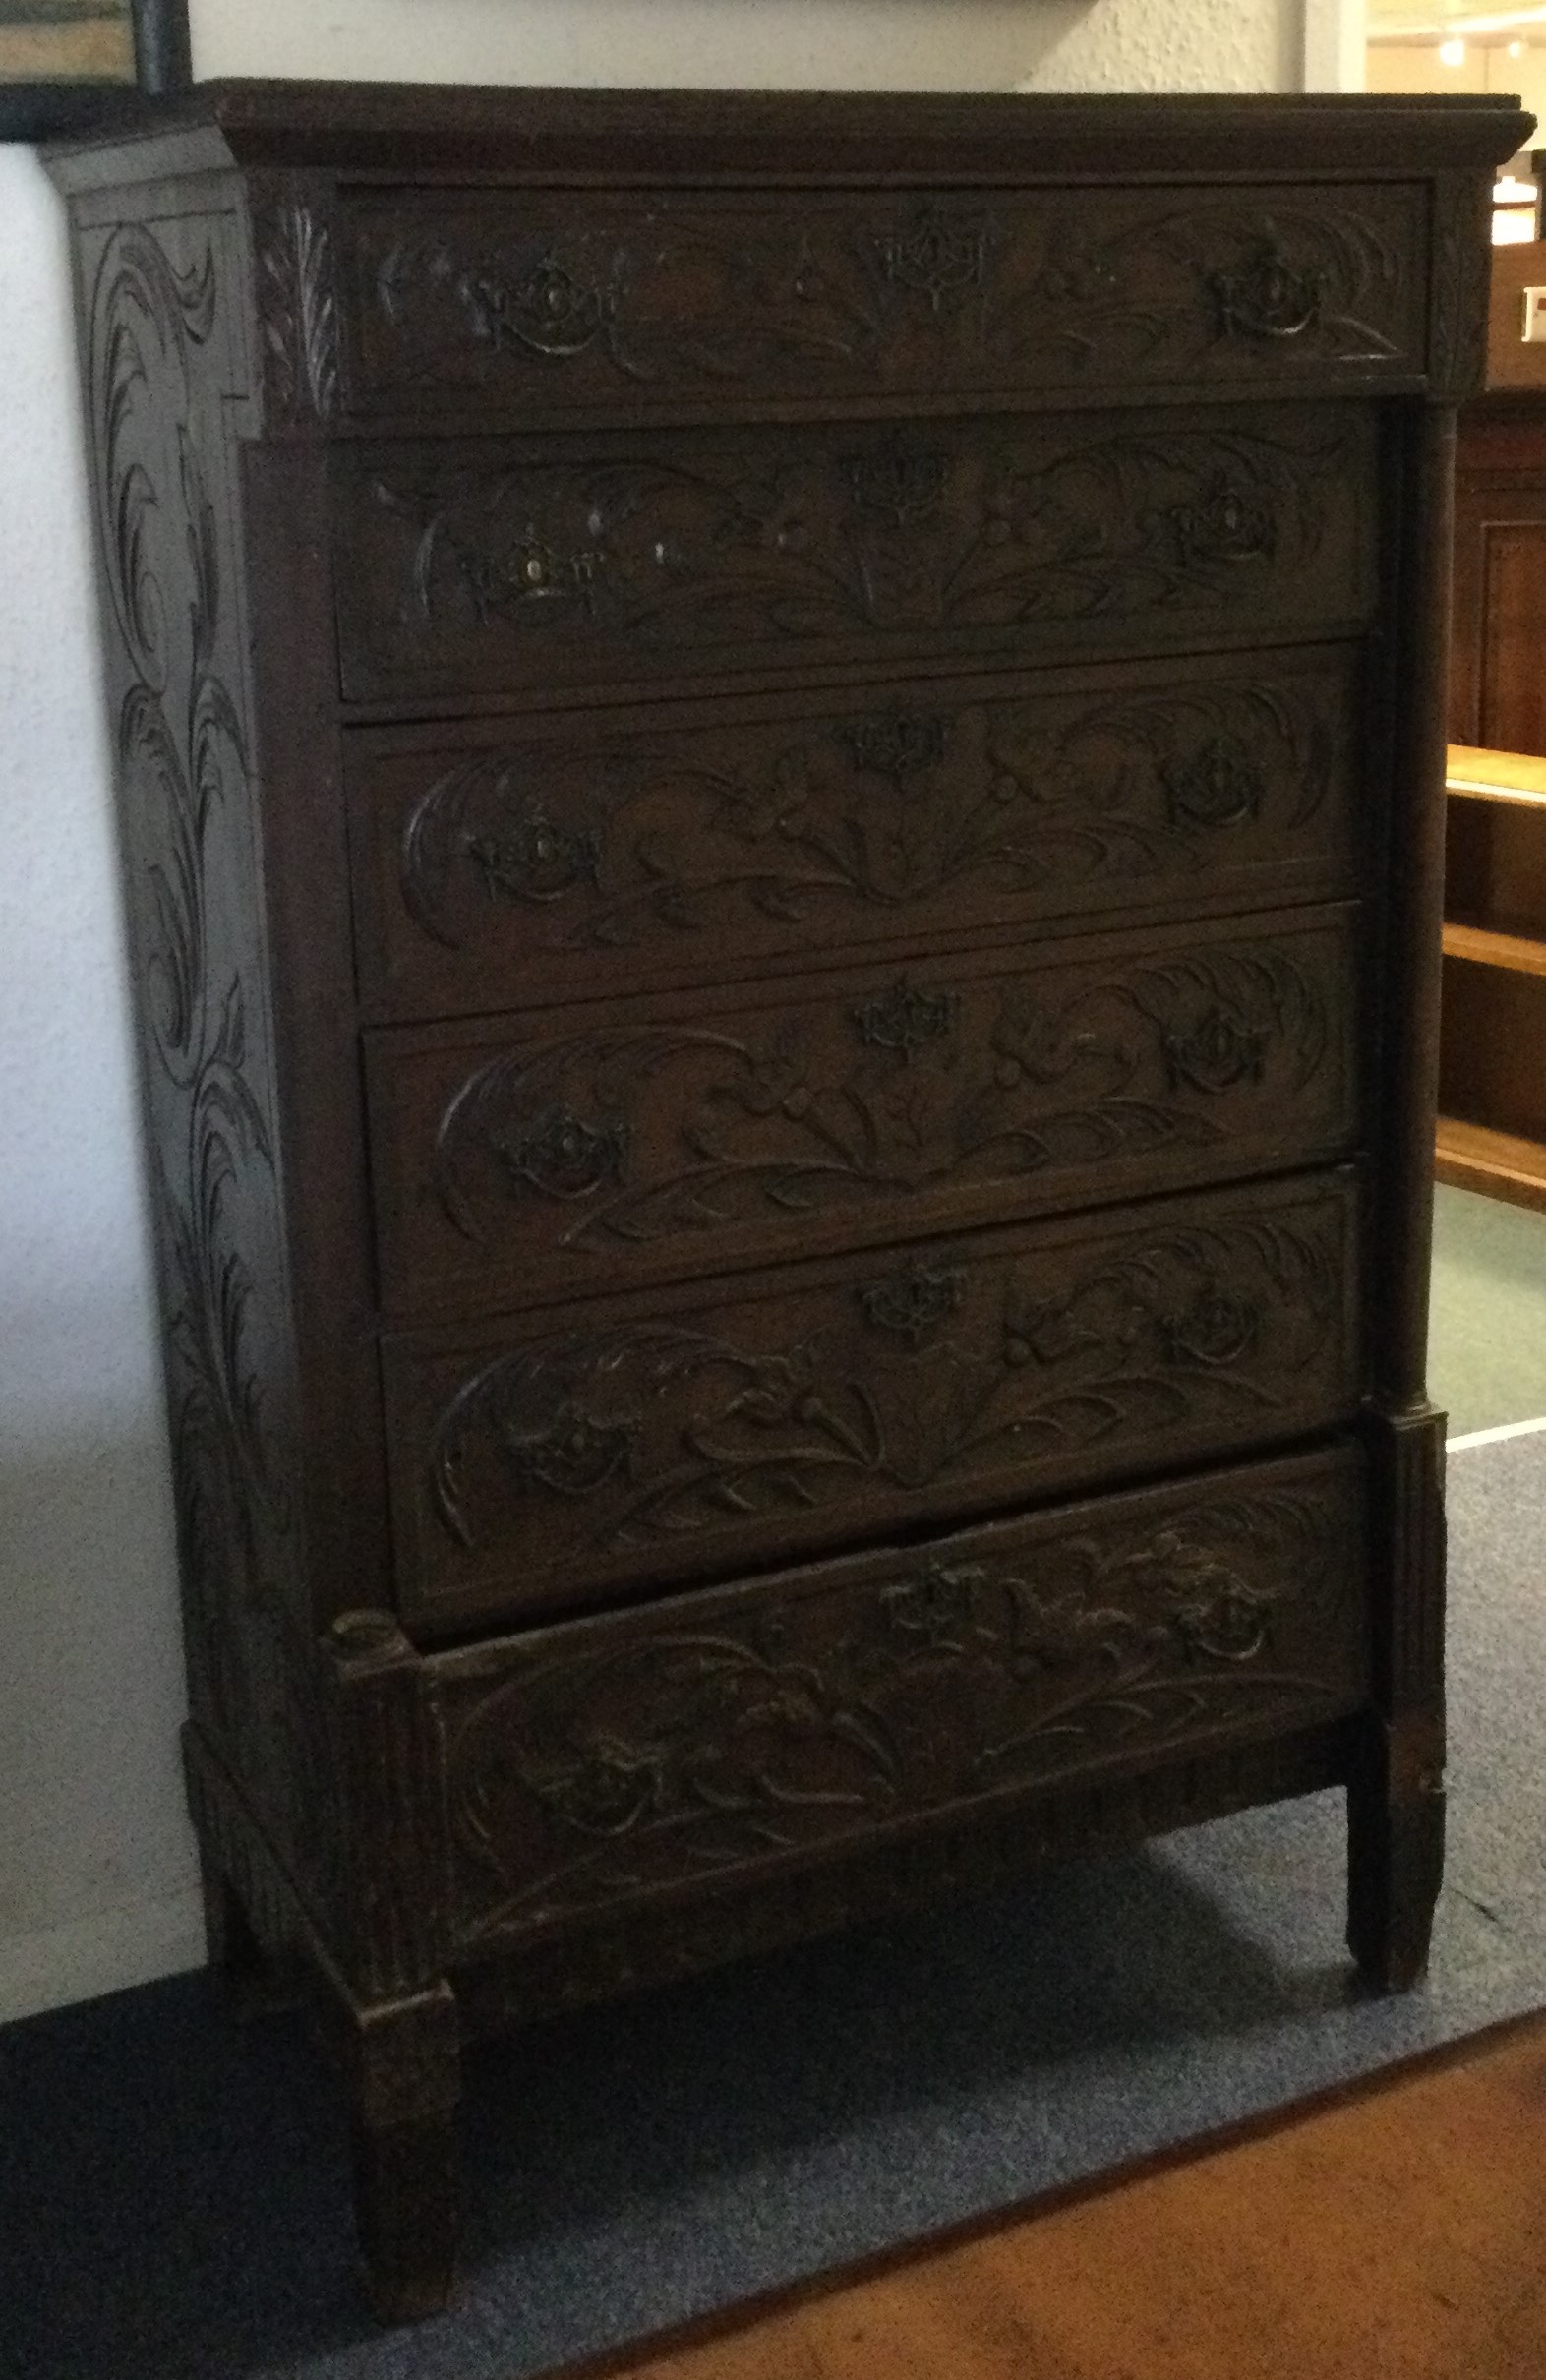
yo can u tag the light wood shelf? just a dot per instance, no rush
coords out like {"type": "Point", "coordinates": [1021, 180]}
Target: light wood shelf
{"type": "Point", "coordinates": [1486, 948]}
{"type": "Point", "coordinates": [1500, 1164]}
{"type": "Point", "coordinates": [1485, 776]}
{"type": "Point", "coordinates": [1492, 1048]}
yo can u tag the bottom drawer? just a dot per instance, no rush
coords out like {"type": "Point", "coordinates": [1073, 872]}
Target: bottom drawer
{"type": "Point", "coordinates": [601, 1761]}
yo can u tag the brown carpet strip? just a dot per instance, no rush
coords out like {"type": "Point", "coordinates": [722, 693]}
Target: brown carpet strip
{"type": "Point", "coordinates": [1393, 2231]}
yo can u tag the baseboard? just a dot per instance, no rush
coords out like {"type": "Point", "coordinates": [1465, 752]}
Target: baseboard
{"type": "Point", "coordinates": [106, 1952]}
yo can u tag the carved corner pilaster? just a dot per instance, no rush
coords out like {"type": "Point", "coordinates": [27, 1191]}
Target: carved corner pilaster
{"type": "Point", "coordinates": [1395, 1802]}
{"type": "Point", "coordinates": [391, 1897]}
{"type": "Point", "coordinates": [299, 313]}
{"type": "Point", "coordinates": [405, 2065]}
{"type": "Point", "coordinates": [1395, 1811]}
{"type": "Point", "coordinates": [1458, 286]}
{"type": "Point", "coordinates": [1408, 1478]}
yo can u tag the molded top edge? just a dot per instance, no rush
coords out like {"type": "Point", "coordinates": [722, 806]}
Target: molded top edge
{"type": "Point", "coordinates": [618, 135]}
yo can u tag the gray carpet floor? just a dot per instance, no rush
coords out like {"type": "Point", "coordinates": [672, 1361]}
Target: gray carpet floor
{"type": "Point", "coordinates": [173, 2202]}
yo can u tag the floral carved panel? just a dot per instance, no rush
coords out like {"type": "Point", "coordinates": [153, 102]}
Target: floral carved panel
{"type": "Point", "coordinates": [589, 300]}
{"type": "Point", "coordinates": [580, 854]}
{"type": "Point", "coordinates": [606, 1153]}
{"type": "Point", "coordinates": [467, 566]}
{"type": "Point", "coordinates": [553, 1466]}
{"type": "Point", "coordinates": [600, 1761]}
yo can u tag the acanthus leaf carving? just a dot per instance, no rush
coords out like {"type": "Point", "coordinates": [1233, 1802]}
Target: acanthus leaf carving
{"type": "Point", "coordinates": [299, 308]}
{"type": "Point", "coordinates": [1459, 290]}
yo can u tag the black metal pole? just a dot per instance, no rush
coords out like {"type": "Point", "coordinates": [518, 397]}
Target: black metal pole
{"type": "Point", "coordinates": [162, 48]}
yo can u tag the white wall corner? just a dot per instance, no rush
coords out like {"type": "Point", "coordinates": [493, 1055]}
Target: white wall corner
{"type": "Point", "coordinates": [1334, 35]}
{"type": "Point", "coordinates": [107, 1952]}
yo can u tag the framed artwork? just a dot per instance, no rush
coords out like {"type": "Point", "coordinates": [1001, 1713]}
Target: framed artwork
{"type": "Point", "coordinates": [62, 60]}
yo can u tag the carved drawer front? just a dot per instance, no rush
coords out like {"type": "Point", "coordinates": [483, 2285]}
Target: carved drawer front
{"type": "Point", "coordinates": [565, 855]}
{"type": "Point", "coordinates": [523, 302]}
{"type": "Point", "coordinates": [593, 1764]}
{"type": "Point", "coordinates": [591, 1148]}
{"type": "Point", "coordinates": [718, 1424]}
{"type": "Point", "coordinates": [481, 567]}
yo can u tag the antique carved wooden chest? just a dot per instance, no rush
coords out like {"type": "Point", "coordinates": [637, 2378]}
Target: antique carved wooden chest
{"type": "Point", "coordinates": [781, 767]}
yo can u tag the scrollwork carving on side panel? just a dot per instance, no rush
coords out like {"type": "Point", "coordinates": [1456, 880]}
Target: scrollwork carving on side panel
{"type": "Point", "coordinates": [183, 754]}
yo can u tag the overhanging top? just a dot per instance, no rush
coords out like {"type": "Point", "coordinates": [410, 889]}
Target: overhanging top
{"type": "Point", "coordinates": [618, 136]}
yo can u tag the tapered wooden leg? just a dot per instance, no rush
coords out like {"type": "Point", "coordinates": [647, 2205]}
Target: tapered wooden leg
{"type": "Point", "coordinates": [1395, 1851]}
{"type": "Point", "coordinates": [253, 1984]}
{"type": "Point", "coordinates": [406, 2206]}
{"type": "Point", "coordinates": [407, 2081]}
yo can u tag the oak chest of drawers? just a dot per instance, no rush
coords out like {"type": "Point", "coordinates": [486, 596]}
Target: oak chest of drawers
{"type": "Point", "coordinates": [781, 769]}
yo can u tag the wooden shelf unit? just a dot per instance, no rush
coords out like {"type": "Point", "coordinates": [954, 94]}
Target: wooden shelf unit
{"type": "Point", "coordinates": [1492, 1060]}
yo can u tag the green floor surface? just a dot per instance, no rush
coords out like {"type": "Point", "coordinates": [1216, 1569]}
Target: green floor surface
{"type": "Point", "coordinates": [1487, 1332]}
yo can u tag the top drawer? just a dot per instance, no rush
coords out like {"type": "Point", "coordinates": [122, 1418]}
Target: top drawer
{"type": "Point", "coordinates": [510, 568]}
{"type": "Point", "coordinates": [531, 300]}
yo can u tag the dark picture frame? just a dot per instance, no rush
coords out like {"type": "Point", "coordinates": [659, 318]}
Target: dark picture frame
{"type": "Point", "coordinates": [163, 62]}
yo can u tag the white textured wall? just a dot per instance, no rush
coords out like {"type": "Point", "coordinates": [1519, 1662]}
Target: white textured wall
{"type": "Point", "coordinates": [94, 1854]}
{"type": "Point", "coordinates": [96, 1874]}
{"type": "Point", "coordinates": [896, 45]}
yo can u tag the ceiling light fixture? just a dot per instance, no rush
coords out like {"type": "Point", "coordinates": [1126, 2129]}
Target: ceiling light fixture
{"type": "Point", "coordinates": [1451, 53]}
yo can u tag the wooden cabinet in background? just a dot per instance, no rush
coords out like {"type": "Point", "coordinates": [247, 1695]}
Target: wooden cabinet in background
{"type": "Point", "coordinates": [1492, 1062]}
{"type": "Point", "coordinates": [1492, 1087]}
{"type": "Point", "coordinates": [1497, 650]}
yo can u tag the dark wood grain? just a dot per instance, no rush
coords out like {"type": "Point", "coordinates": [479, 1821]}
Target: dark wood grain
{"type": "Point", "coordinates": [469, 569]}
{"type": "Point", "coordinates": [497, 864]}
{"type": "Point", "coordinates": [1513, 361]}
{"type": "Point", "coordinates": [609, 1759]}
{"type": "Point", "coordinates": [1497, 696]}
{"type": "Point", "coordinates": [1493, 1015]}
{"type": "Point", "coordinates": [1494, 1028]}
{"type": "Point", "coordinates": [572, 1149]}
{"type": "Point", "coordinates": [780, 772]}
{"type": "Point", "coordinates": [632, 301]}
{"type": "Point", "coordinates": [528, 137]}
{"type": "Point", "coordinates": [706, 1428]}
